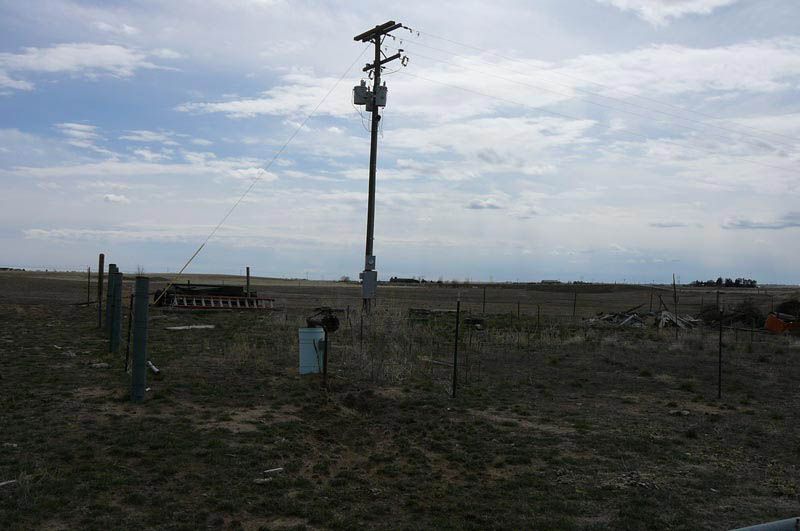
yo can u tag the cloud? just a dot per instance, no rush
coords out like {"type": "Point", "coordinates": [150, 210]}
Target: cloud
{"type": "Point", "coordinates": [142, 135]}
{"type": "Point", "coordinates": [78, 131]}
{"type": "Point", "coordinates": [483, 204]}
{"type": "Point", "coordinates": [299, 94]}
{"type": "Point", "coordinates": [114, 198]}
{"type": "Point", "coordinates": [121, 29]}
{"type": "Point", "coordinates": [196, 165]}
{"type": "Point", "coordinates": [767, 65]}
{"type": "Point", "coordinates": [86, 59]}
{"type": "Point", "coordinates": [15, 84]}
{"type": "Point", "coordinates": [659, 12]}
{"type": "Point", "coordinates": [83, 136]}
{"type": "Point", "coordinates": [151, 156]}
{"type": "Point", "coordinates": [789, 220]}
{"type": "Point", "coordinates": [166, 53]}
{"type": "Point", "coordinates": [668, 224]}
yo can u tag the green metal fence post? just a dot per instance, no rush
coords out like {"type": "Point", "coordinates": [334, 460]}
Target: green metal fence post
{"type": "Point", "coordinates": [139, 362]}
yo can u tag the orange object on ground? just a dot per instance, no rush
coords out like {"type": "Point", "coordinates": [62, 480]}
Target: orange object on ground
{"type": "Point", "coordinates": [776, 325]}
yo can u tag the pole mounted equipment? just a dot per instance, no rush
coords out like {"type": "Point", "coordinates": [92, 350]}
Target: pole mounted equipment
{"type": "Point", "coordinates": [373, 99]}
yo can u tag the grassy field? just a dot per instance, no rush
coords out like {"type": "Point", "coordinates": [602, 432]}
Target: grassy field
{"type": "Point", "coordinates": [556, 425]}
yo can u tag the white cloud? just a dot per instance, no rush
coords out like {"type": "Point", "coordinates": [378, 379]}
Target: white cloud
{"type": "Point", "coordinates": [659, 12]}
{"type": "Point", "coordinates": [83, 136]}
{"type": "Point", "coordinates": [121, 29]}
{"type": "Point", "coordinates": [86, 59]}
{"type": "Point", "coordinates": [152, 137]}
{"type": "Point", "coordinates": [15, 84]}
{"type": "Point", "coordinates": [166, 53]}
{"type": "Point", "coordinates": [753, 66]}
{"type": "Point", "coordinates": [483, 204]}
{"type": "Point", "coordinates": [114, 198]}
{"type": "Point", "coordinates": [78, 57]}
{"type": "Point", "coordinates": [150, 156]}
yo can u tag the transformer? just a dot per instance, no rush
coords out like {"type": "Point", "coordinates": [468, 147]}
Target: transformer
{"type": "Point", "coordinates": [379, 99]}
{"type": "Point", "coordinates": [361, 94]}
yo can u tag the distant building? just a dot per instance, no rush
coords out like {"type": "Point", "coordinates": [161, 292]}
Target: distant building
{"type": "Point", "coordinates": [399, 280]}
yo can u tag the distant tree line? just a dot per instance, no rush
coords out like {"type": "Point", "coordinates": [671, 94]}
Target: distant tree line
{"type": "Point", "coordinates": [727, 283]}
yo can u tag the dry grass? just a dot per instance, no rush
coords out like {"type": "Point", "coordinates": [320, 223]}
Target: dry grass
{"type": "Point", "coordinates": [555, 426]}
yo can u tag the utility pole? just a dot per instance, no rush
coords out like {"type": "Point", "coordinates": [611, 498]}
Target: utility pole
{"type": "Point", "coordinates": [373, 100]}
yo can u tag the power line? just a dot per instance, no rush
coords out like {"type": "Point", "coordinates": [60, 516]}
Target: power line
{"type": "Point", "coordinates": [483, 72]}
{"type": "Point", "coordinates": [570, 117]}
{"type": "Point", "coordinates": [584, 80]}
{"type": "Point", "coordinates": [263, 171]}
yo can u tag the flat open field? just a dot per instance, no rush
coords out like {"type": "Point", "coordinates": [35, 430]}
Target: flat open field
{"type": "Point", "coordinates": [556, 425]}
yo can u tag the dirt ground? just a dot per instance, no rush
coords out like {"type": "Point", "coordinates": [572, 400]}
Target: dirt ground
{"type": "Point", "coordinates": [556, 425]}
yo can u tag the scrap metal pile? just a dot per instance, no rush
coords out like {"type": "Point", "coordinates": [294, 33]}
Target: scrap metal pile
{"type": "Point", "coordinates": [632, 318]}
{"type": "Point", "coordinates": [211, 297]}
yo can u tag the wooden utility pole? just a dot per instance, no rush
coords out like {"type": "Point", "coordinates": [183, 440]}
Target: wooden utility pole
{"type": "Point", "coordinates": [373, 100]}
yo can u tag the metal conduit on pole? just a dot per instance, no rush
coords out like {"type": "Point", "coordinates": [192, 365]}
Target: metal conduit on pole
{"type": "Point", "coordinates": [115, 328]}
{"type": "Point", "coordinates": [139, 362]}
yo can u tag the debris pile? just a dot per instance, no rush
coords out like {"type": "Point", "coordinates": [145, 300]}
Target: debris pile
{"type": "Point", "coordinates": [619, 319]}
{"type": "Point", "coordinates": [631, 318]}
{"type": "Point", "coordinates": [666, 318]}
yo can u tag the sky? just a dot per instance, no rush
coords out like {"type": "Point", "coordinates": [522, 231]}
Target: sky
{"type": "Point", "coordinates": [595, 140]}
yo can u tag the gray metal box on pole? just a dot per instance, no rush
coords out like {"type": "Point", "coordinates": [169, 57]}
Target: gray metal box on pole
{"type": "Point", "coordinates": [139, 364]}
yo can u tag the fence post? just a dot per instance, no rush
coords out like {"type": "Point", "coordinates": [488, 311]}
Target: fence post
{"type": "Point", "coordinates": [455, 347]}
{"type": "Point", "coordinates": [130, 326]}
{"type": "Point", "coordinates": [675, 299]}
{"type": "Point", "coordinates": [248, 281]}
{"type": "Point", "coordinates": [88, 284]}
{"type": "Point", "coordinates": [574, 305]}
{"type": "Point", "coordinates": [539, 320]}
{"type": "Point", "coordinates": [115, 326]}
{"type": "Point", "coordinates": [139, 362]}
{"type": "Point", "coordinates": [719, 362]}
{"type": "Point", "coordinates": [112, 268]}
{"type": "Point", "coordinates": [100, 270]}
